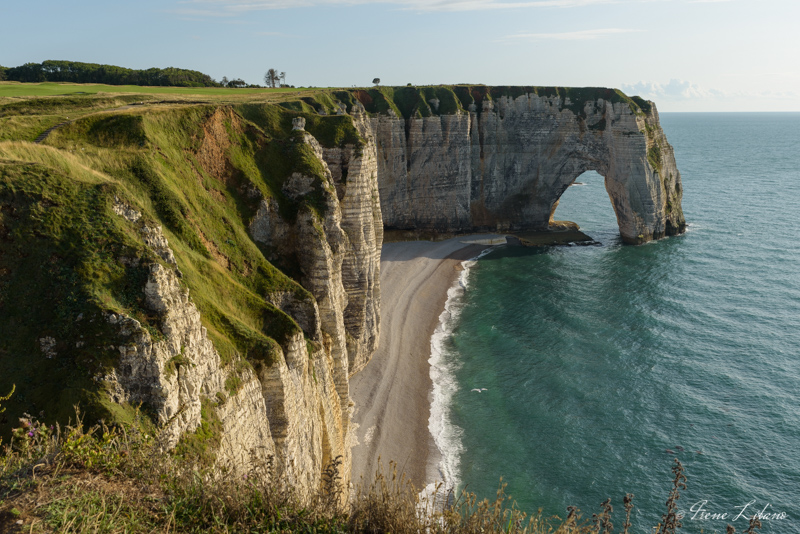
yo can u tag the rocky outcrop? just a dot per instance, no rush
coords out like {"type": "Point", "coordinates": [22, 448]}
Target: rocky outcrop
{"type": "Point", "coordinates": [337, 251]}
{"type": "Point", "coordinates": [294, 407]}
{"type": "Point", "coordinates": [354, 170]}
{"type": "Point", "coordinates": [305, 415]}
{"type": "Point", "coordinates": [174, 372]}
{"type": "Point", "coordinates": [503, 165]}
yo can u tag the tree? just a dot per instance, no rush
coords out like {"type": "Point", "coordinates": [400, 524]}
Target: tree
{"type": "Point", "coordinates": [272, 78]}
{"type": "Point", "coordinates": [376, 81]}
{"type": "Point", "coordinates": [283, 79]}
{"type": "Point", "coordinates": [224, 81]}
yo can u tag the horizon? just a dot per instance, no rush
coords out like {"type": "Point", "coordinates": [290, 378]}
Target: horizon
{"type": "Point", "coordinates": [685, 55]}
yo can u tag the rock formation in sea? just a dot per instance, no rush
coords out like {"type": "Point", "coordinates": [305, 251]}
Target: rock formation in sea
{"type": "Point", "coordinates": [501, 164]}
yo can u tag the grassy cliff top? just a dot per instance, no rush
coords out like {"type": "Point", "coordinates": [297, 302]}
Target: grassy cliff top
{"type": "Point", "coordinates": [198, 170]}
{"type": "Point", "coordinates": [425, 101]}
{"type": "Point", "coordinates": [405, 101]}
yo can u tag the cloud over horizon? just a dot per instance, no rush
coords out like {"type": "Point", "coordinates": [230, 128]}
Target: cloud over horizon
{"type": "Point", "coordinates": [677, 91]}
{"type": "Point", "coordinates": [673, 89]}
{"type": "Point", "coordinates": [580, 35]}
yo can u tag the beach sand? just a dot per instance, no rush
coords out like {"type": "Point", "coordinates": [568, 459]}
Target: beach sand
{"type": "Point", "coordinates": [392, 394]}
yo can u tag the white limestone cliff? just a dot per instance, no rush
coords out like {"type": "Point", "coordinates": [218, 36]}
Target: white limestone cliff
{"type": "Point", "coordinates": [503, 166]}
{"type": "Point", "coordinates": [173, 375]}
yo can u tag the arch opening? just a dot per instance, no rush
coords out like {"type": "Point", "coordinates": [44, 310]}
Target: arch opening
{"type": "Point", "coordinates": [585, 206]}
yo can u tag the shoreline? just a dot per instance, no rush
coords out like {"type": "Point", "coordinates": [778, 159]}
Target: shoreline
{"type": "Point", "coordinates": [393, 394]}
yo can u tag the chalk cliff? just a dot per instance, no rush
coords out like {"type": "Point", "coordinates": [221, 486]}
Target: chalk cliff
{"type": "Point", "coordinates": [502, 163]}
{"type": "Point", "coordinates": [339, 260]}
{"type": "Point", "coordinates": [234, 360]}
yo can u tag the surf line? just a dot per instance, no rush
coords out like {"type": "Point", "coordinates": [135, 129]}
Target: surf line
{"type": "Point", "coordinates": [444, 470]}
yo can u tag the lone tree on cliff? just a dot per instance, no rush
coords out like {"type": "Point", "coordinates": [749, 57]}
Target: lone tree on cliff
{"type": "Point", "coordinates": [376, 81]}
{"type": "Point", "coordinates": [272, 78]}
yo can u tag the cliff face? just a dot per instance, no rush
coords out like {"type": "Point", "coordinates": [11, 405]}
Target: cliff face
{"type": "Point", "coordinates": [503, 164]}
{"type": "Point", "coordinates": [233, 360]}
{"type": "Point", "coordinates": [295, 406]}
{"type": "Point", "coordinates": [338, 251]}
{"type": "Point", "coordinates": [174, 375]}
{"type": "Point", "coordinates": [354, 171]}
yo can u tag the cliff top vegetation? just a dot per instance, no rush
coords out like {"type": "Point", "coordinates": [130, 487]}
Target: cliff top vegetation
{"type": "Point", "coordinates": [404, 101]}
{"type": "Point", "coordinates": [426, 101]}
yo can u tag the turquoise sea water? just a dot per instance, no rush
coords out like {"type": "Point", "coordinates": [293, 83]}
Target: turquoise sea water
{"type": "Point", "coordinates": [596, 360]}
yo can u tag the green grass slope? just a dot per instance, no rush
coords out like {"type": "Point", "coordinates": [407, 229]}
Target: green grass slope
{"type": "Point", "coordinates": [199, 171]}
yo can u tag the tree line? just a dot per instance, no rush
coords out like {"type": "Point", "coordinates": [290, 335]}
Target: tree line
{"type": "Point", "coordinates": [77, 72]}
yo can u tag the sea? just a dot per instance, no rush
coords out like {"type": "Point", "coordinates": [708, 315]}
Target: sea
{"type": "Point", "coordinates": [573, 374]}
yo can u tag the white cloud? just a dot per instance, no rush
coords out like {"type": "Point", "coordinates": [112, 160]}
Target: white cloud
{"type": "Point", "coordinates": [681, 90]}
{"type": "Point", "coordinates": [674, 89]}
{"type": "Point", "coordinates": [191, 12]}
{"type": "Point", "coordinates": [581, 35]}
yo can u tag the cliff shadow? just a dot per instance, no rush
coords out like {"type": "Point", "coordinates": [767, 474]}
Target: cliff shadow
{"type": "Point", "coordinates": [458, 248]}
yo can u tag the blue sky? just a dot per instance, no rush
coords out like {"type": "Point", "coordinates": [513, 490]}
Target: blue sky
{"type": "Point", "coordinates": [687, 55]}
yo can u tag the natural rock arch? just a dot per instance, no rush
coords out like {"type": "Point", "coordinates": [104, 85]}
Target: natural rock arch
{"type": "Point", "coordinates": [503, 168]}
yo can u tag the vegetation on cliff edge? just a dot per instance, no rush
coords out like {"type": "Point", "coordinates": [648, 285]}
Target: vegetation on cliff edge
{"type": "Point", "coordinates": [425, 101]}
{"type": "Point", "coordinates": [116, 479]}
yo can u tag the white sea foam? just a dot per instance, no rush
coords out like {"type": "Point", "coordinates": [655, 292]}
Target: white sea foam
{"type": "Point", "coordinates": [443, 366]}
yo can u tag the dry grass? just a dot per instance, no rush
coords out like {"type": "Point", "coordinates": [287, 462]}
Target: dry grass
{"type": "Point", "coordinates": [118, 479]}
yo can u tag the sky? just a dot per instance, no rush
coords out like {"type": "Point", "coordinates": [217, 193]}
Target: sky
{"type": "Point", "coordinates": [686, 55]}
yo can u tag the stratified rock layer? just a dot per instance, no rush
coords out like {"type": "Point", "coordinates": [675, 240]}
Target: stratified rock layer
{"type": "Point", "coordinates": [295, 405]}
{"type": "Point", "coordinates": [338, 254]}
{"type": "Point", "coordinates": [504, 165]}
{"type": "Point", "coordinates": [174, 374]}
{"type": "Point", "coordinates": [354, 171]}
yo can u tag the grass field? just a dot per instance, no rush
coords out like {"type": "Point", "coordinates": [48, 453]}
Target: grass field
{"type": "Point", "coordinates": [28, 109]}
{"type": "Point", "coordinates": [12, 89]}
